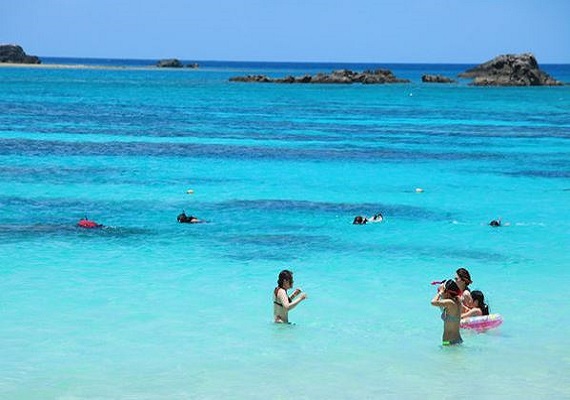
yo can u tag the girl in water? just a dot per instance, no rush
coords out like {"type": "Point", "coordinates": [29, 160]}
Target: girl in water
{"type": "Point", "coordinates": [282, 303]}
{"type": "Point", "coordinates": [463, 280]}
{"type": "Point", "coordinates": [478, 306]}
{"type": "Point", "coordinates": [447, 298]}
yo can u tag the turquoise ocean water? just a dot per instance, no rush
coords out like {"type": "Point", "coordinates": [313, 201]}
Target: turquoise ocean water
{"type": "Point", "coordinates": [147, 308]}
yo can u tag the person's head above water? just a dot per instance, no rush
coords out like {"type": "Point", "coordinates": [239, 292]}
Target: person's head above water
{"type": "Point", "coordinates": [463, 278]}
{"type": "Point", "coordinates": [495, 222]}
{"type": "Point", "coordinates": [451, 288]}
{"type": "Point", "coordinates": [359, 220]}
{"type": "Point", "coordinates": [285, 276]}
{"type": "Point", "coordinates": [479, 301]}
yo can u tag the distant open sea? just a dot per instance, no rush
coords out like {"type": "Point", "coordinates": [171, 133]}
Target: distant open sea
{"type": "Point", "coordinates": [147, 308]}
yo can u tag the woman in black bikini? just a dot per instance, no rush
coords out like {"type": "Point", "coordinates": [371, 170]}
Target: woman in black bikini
{"type": "Point", "coordinates": [282, 303]}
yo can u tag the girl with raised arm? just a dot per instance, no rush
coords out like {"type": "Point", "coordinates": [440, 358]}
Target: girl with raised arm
{"type": "Point", "coordinates": [447, 298]}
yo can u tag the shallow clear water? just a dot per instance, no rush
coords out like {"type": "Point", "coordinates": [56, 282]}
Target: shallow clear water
{"type": "Point", "coordinates": [147, 308]}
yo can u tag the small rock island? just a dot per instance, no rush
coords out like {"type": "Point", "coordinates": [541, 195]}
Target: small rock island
{"type": "Point", "coordinates": [174, 63]}
{"type": "Point", "coordinates": [344, 76]}
{"type": "Point", "coordinates": [510, 70]}
{"type": "Point", "coordinates": [169, 63]}
{"type": "Point", "coordinates": [427, 78]}
{"type": "Point", "coordinates": [14, 54]}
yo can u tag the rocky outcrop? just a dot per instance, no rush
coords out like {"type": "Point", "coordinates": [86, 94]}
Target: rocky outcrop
{"type": "Point", "coordinates": [14, 54]}
{"type": "Point", "coordinates": [510, 70]}
{"type": "Point", "coordinates": [339, 76]}
{"type": "Point", "coordinates": [169, 63]}
{"type": "Point", "coordinates": [426, 78]}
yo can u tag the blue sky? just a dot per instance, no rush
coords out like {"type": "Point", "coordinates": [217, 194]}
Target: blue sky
{"type": "Point", "coordinates": [430, 31]}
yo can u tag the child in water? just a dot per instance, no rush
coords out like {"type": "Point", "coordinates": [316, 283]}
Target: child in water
{"type": "Point", "coordinates": [478, 307]}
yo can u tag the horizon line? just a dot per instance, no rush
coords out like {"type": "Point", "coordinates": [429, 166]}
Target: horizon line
{"type": "Point", "coordinates": [290, 62]}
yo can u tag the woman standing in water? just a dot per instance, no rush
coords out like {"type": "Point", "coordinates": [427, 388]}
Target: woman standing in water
{"type": "Point", "coordinates": [282, 303]}
{"type": "Point", "coordinates": [447, 298]}
{"type": "Point", "coordinates": [463, 280]}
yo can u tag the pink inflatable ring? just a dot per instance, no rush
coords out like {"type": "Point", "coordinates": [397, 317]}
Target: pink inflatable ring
{"type": "Point", "coordinates": [482, 323]}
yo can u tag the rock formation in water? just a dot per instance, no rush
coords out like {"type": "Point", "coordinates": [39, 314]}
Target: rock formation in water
{"type": "Point", "coordinates": [14, 54]}
{"type": "Point", "coordinates": [169, 63]}
{"type": "Point", "coordinates": [338, 76]}
{"type": "Point", "coordinates": [510, 70]}
{"type": "Point", "coordinates": [427, 78]}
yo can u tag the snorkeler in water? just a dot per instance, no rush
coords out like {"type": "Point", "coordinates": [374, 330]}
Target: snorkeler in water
{"type": "Point", "coordinates": [359, 220]}
{"type": "Point", "coordinates": [495, 223]}
{"type": "Point", "coordinates": [185, 219]}
{"type": "Point", "coordinates": [377, 218]}
{"type": "Point", "coordinates": [88, 224]}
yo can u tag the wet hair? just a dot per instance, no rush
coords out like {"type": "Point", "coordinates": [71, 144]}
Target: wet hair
{"type": "Point", "coordinates": [465, 276]}
{"type": "Point", "coordinates": [358, 220]}
{"type": "Point", "coordinates": [284, 275]}
{"type": "Point", "coordinates": [478, 295]}
{"type": "Point", "coordinates": [452, 288]}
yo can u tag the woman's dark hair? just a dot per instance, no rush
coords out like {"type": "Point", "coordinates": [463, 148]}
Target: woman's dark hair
{"type": "Point", "coordinates": [478, 295]}
{"type": "Point", "coordinates": [452, 288]}
{"type": "Point", "coordinates": [358, 220]}
{"type": "Point", "coordinates": [284, 275]}
{"type": "Point", "coordinates": [464, 275]}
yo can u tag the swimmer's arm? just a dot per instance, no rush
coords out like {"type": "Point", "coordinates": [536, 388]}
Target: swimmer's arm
{"type": "Point", "coordinates": [437, 301]}
{"type": "Point", "coordinates": [289, 305]}
{"type": "Point", "coordinates": [474, 312]}
{"type": "Point", "coordinates": [437, 298]}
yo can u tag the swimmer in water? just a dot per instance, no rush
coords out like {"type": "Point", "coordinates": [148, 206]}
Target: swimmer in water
{"type": "Point", "coordinates": [359, 220]}
{"type": "Point", "coordinates": [185, 219]}
{"type": "Point", "coordinates": [88, 224]}
{"type": "Point", "coordinates": [377, 218]}
{"type": "Point", "coordinates": [495, 223]}
{"type": "Point", "coordinates": [478, 307]}
{"type": "Point", "coordinates": [447, 298]}
{"type": "Point", "coordinates": [463, 280]}
{"type": "Point", "coordinates": [282, 303]}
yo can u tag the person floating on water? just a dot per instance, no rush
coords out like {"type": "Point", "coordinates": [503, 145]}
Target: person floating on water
{"type": "Point", "coordinates": [359, 220]}
{"type": "Point", "coordinates": [377, 218]}
{"type": "Point", "coordinates": [185, 219]}
{"type": "Point", "coordinates": [282, 303]}
{"type": "Point", "coordinates": [447, 298]}
{"type": "Point", "coordinates": [88, 224]}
